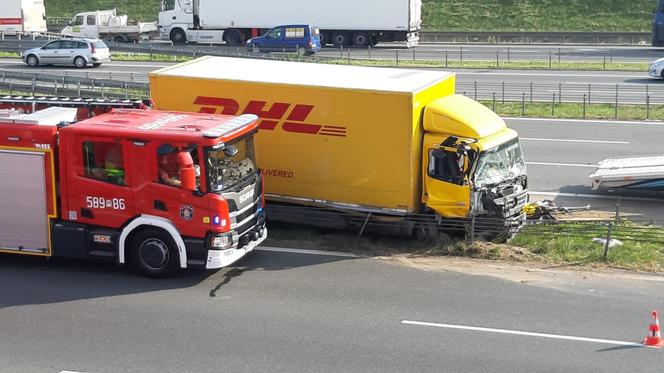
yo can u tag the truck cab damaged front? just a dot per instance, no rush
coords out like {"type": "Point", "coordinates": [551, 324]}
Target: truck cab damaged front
{"type": "Point", "coordinates": [473, 163]}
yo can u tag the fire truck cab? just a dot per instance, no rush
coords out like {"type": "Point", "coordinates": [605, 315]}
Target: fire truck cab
{"type": "Point", "coordinates": [160, 190]}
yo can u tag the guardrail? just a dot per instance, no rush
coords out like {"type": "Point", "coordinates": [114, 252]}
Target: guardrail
{"type": "Point", "coordinates": [76, 86]}
{"type": "Point", "coordinates": [500, 37]}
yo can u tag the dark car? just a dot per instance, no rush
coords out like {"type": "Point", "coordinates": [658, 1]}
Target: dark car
{"type": "Point", "coordinates": [303, 39]}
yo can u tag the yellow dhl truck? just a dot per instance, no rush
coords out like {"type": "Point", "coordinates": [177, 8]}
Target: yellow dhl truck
{"type": "Point", "coordinates": [363, 147]}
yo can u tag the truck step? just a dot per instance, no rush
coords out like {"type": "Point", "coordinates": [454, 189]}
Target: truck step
{"type": "Point", "coordinates": [102, 254]}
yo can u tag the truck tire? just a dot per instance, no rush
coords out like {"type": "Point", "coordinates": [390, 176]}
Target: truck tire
{"type": "Point", "coordinates": [426, 231]}
{"type": "Point", "coordinates": [32, 60]}
{"type": "Point", "coordinates": [341, 38]}
{"type": "Point", "coordinates": [361, 39]}
{"type": "Point", "coordinates": [178, 36]}
{"type": "Point", "coordinates": [374, 40]}
{"type": "Point", "coordinates": [324, 38]}
{"type": "Point", "coordinates": [80, 62]}
{"type": "Point", "coordinates": [120, 39]}
{"type": "Point", "coordinates": [233, 37]}
{"type": "Point", "coordinates": [154, 253]}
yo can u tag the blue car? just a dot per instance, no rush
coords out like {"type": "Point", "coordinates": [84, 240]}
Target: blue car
{"type": "Point", "coordinates": [303, 39]}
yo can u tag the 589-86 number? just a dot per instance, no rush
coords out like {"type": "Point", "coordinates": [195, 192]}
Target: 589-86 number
{"type": "Point", "coordinates": [105, 203]}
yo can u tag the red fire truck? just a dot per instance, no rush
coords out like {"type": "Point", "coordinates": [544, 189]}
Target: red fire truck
{"type": "Point", "coordinates": [159, 190]}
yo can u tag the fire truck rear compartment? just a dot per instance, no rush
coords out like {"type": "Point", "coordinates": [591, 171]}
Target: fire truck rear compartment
{"type": "Point", "coordinates": [23, 208]}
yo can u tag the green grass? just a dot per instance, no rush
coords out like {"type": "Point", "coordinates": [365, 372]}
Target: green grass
{"type": "Point", "coordinates": [455, 15]}
{"type": "Point", "coordinates": [571, 243]}
{"type": "Point", "coordinates": [574, 111]}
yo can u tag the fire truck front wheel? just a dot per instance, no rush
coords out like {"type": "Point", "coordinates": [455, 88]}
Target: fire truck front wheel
{"type": "Point", "coordinates": [154, 253]}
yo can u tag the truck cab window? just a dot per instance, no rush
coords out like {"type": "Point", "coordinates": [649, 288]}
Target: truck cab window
{"type": "Point", "coordinates": [77, 21]}
{"type": "Point", "coordinates": [104, 161]}
{"type": "Point", "coordinates": [446, 166]}
{"type": "Point", "coordinates": [168, 166]}
{"type": "Point", "coordinates": [92, 20]}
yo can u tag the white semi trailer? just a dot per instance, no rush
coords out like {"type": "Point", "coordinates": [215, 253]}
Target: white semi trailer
{"type": "Point", "coordinates": [22, 16]}
{"type": "Point", "coordinates": [341, 22]}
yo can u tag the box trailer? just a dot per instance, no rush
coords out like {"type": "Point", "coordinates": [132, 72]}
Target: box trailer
{"type": "Point", "coordinates": [22, 16]}
{"type": "Point", "coordinates": [341, 22]}
{"type": "Point", "coordinates": [381, 143]}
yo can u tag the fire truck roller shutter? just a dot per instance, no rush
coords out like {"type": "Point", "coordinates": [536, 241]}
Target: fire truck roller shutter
{"type": "Point", "coordinates": [152, 221]}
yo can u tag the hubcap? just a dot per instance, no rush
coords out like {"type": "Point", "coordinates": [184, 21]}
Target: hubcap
{"type": "Point", "coordinates": [80, 63]}
{"type": "Point", "coordinates": [154, 253]}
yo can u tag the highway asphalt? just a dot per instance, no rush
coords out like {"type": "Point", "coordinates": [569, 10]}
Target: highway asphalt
{"type": "Point", "coordinates": [302, 312]}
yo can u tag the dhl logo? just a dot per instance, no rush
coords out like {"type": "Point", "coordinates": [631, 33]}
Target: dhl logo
{"type": "Point", "coordinates": [270, 116]}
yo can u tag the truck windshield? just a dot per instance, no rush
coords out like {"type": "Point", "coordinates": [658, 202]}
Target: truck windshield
{"type": "Point", "coordinates": [500, 164]}
{"type": "Point", "coordinates": [230, 164]}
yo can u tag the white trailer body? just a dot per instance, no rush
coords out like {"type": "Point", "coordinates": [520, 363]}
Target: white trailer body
{"type": "Point", "coordinates": [342, 22]}
{"type": "Point", "coordinates": [645, 172]}
{"type": "Point", "coordinates": [22, 16]}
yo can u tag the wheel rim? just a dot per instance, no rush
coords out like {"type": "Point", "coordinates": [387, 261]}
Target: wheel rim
{"type": "Point", "coordinates": [154, 254]}
{"type": "Point", "coordinates": [360, 40]}
{"type": "Point", "coordinates": [79, 62]}
{"type": "Point", "coordinates": [32, 61]}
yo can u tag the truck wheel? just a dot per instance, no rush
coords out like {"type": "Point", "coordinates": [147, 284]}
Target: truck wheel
{"type": "Point", "coordinates": [361, 39]}
{"type": "Point", "coordinates": [341, 38]}
{"type": "Point", "coordinates": [32, 60]}
{"type": "Point", "coordinates": [154, 253]}
{"type": "Point", "coordinates": [233, 37]}
{"type": "Point", "coordinates": [120, 39]}
{"type": "Point", "coordinates": [374, 40]}
{"type": "Point", "coordinates": [324, 37]}
{"type": "Point", "coordinates": [80, 62]}
{"type": "Point", "coordinates": [178, 36]}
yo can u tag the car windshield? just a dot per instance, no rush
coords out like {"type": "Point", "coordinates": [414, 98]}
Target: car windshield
{"type": "Point", "coordinates": [500, 164]}
{"type": "Point", "coordinates": [230, 164]}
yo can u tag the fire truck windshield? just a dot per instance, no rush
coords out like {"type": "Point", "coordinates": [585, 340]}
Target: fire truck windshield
{"type": "Point", "coordinates": [230, 164]}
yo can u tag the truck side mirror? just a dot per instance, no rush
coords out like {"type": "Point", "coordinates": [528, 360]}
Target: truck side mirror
{"type": "Point", "coordinates": [187, 171]}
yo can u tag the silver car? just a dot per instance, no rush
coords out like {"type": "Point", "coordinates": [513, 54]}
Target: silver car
{"type": "Point", "coordinates": [76, 52]}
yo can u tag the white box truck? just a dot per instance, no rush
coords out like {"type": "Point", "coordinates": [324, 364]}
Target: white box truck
{"type": "Point", "coordinates": [22, 16]}
{"type": "Point", "coordinates": [341, 22]}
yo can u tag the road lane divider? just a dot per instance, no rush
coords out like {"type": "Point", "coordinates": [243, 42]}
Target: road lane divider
{"type": "Point", "coordinates": [610, 142]}
{"type": "Point", "coordinates": [562, 164]}
{"type": "Point", "coordinates": [522, 333]}
{"type": "Point", "coordinates": [307, 252]}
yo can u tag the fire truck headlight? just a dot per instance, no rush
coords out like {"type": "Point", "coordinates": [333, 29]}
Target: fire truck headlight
{"type": "Point", "coordinates": [221, 242]}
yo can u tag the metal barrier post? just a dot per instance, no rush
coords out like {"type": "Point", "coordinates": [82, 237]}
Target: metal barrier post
{"type": "Point", "coordinates": [503, 93]}
{"type": "Point", "coordinates": [497, 58]}
{"type": "Point", "coordinates": [493, 102]}
{"type": "Point", "coordinates": [550, 61]}
{"type": "Point", "coordinates": [559, 55]}
{"type": "Point", "coordinates": [584, 106]}
{"type": "Point", "coordinates": [616, 113]}
{"type": "Point", "coordinates": [79, 88]}
{"type": "Point", "coordinates": [589, 90]}
{"type": "Point", "coordinates": [648, 107]}
{"type": "Point", "coordinates": [369, 49]}
{"type": "Point", "coordinates": [397, 57]}
{"type": "Point", "coordinates": [560, 93]}
{"type": "Point", "coordinates": [531, 92]}
{"type": "Point", "coordinates": [446, 59]}
{"type": "Point", "coordinates": [523, 104]}
{"type": "Point", "coordinates": [553, 105]}
{"type": "Point", "coordinates": [349, 56]}
{"type": "Point", "coordinates": [461, 54]}
{"type": "Point", "coordinates": [476, 90]}
{"type": "Point", "coordinates": [607, 243]}
{"type": "Point", "coordinates": [55, 87]}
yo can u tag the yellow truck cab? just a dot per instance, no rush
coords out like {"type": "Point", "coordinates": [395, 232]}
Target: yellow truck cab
{"type": "Point", "coordinates": [361, 147]}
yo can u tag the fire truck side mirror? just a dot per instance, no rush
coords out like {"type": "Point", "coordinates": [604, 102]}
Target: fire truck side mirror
{"type": "Point", "coordinates": [187, 171]}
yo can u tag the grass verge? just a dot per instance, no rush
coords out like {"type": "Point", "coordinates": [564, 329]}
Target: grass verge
{"type": "Point", "coordinates": [571, 243]}
{"type": "Point", "coordinates": [576, 111]}
{"type": "Point", "coordinates": [559, 244]}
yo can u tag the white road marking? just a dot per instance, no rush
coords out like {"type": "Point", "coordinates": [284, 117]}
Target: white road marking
{"type": "Point", "coordinates": [581, 141]}
{"type": "Point", "coordinates": [594, 196]}
{"type": "Point", "coordinates": [562, 164]}
{"type": "Point", "coordinates": [576, 121]}
{"type": "Point", "coordinates": [548, 74]}
{"type": "Point", "coordinates": [308, 252]}
{"type": "Point", "coordinates": [521, 333]}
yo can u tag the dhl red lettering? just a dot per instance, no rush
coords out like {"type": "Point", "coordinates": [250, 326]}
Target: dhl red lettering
{"type": "Point", "coordinates": [311, 129]}
{"type": "Point", "coordinates": [230, 107]}
{"type": "Point", "coordinates": [276, 111]}
{"type": "Point", "coordinates": [300, 113]}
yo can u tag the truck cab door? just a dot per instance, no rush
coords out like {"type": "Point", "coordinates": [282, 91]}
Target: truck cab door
{"type": "Point", "coordinates": [100, 186]}
{"type": "Point", "coordinates": [446, 185]}
{"type": "Point", "coordinates": [91, 27]}
{"type": "Point", "coordinates": [76, 26]}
